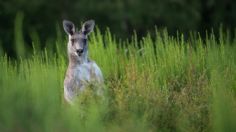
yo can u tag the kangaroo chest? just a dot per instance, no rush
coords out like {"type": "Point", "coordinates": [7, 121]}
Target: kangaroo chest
{"type": "Point", "coordinates": [78, 77]}
{"type": "Point", "coordinates": [86, 73]}
{"type": "Point", "coordinates": [83, 72]}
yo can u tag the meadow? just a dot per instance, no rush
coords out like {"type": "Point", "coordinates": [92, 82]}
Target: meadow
{"type": "Point", "coordinates": [158, 83]}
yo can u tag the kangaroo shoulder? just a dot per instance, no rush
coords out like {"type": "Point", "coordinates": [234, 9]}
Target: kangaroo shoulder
{"type": "Point", "coordinates": [94, 66]}
{"type": "Point", "coordinates": [95, 69]}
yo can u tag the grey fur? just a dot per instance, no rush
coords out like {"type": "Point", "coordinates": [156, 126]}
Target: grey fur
{"type": "Point", "coordinates": [81, 71]}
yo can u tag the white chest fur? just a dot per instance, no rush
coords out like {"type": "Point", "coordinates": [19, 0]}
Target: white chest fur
{"type": "Point", "coordinates": [79, 77]}
{"type": "Point", "coordinates": [88, 72]}
{"type": "Point", "coordinates": [83, 72]}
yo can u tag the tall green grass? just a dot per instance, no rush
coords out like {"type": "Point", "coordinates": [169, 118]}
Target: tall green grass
{"type": "Point", "coordinates": [163, 83]}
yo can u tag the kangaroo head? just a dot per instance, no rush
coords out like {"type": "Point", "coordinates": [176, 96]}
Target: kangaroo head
{"type": "Point", "coordinates": [78, 44]}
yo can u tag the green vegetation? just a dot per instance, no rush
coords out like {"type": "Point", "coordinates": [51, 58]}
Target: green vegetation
{"type": "Point", "coordinates": [157, 84]}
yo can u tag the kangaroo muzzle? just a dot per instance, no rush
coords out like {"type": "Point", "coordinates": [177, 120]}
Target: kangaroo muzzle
{"type": "Point", "coordinates": [79, 51]}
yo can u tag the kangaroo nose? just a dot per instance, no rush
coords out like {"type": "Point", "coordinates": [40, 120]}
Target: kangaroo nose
{"type": "Point", "coordinates": [79, 51]}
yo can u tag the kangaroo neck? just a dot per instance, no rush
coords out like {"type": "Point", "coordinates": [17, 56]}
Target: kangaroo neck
{"type": "Point", "coordinates": [74, 60]}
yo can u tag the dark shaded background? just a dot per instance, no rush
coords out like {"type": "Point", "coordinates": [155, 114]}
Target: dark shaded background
{"type": "Point", "coordinates": [121, 16]}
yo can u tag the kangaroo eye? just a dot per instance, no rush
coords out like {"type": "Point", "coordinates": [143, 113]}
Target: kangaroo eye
{"type": "Point", "coordinates": [72, 40]}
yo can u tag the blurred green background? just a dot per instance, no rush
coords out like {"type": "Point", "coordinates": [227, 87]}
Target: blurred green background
{"type": "Point", "coordinates": [121, 16]}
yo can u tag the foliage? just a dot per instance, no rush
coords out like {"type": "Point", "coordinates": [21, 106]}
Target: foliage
{"type": "Point", "coordinates": [164, 84]}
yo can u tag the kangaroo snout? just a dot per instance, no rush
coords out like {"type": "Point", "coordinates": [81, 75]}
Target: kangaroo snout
{"type": "Point", "coordinates": [79, 51]}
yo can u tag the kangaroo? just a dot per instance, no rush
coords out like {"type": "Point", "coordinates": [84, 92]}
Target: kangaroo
{"type": "Point", "coordinates": [81, 71]}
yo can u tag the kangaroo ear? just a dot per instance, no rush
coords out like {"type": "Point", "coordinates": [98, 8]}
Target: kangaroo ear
{"type": "Point", "coordinates": [88, 27]}
{"type": "Point", "coordinates": [69, 27]}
